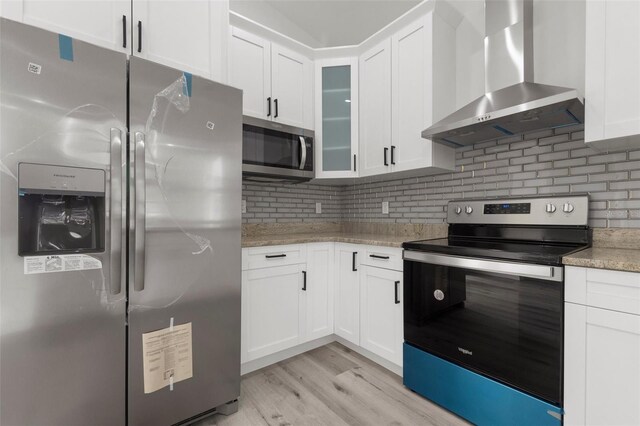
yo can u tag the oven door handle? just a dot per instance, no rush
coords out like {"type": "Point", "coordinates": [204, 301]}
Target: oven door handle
{"type": "Point", "coordinates": [542, 272]}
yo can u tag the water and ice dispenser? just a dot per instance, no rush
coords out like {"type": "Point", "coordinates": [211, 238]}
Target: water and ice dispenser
{"type": "Point", "coordinates": [60, 209]}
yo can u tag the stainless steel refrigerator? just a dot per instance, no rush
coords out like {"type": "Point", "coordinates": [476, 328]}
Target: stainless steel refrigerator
{"type": "Point", "coordinates": [120, 188]}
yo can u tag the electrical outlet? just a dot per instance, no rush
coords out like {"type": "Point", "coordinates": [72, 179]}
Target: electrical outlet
{"type": "Point", "coordinates": [244, 206]}
{"type": "Point", "coordinates": [385, 207]}
{"type": "Point", "coordinates": [318, 208]}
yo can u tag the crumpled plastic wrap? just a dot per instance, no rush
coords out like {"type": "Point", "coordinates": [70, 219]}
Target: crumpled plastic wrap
{"type": "Point", "coordinates": [173, 99]}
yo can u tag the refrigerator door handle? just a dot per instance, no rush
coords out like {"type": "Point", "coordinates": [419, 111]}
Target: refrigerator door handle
{"type": "Point", "coordinates": [115, 214]}
{"type": "Point", "coordinates": [138, 202]}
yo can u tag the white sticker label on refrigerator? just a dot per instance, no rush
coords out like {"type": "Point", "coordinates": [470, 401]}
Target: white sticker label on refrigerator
{"type": "Point", "coordinates": [34, 68]}
{"type": "Point", "coordinates": [167, 357]}
{"type": "Point", "coordinates": [60, 263]}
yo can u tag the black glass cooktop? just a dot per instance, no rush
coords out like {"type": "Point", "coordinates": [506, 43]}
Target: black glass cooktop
{"type": "Point", "coordinates": [529, 252]}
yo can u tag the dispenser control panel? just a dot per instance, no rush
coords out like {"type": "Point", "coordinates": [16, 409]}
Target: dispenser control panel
{"type": "Point", "coordinates": [61, 209]}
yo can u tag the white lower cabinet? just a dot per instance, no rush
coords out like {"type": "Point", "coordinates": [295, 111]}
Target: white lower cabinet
{"type": "Point", "coordinates": [381, 324]}
{"type": "Point", "coordinates": [293, 294]}
{"type": "Point", "coordinates": [287, 297]}
{"type": "Point", "coordinates": [272, 304]}
{"type": "Point", "coordinates": [319, 291]}
{"type": "Point", "coordinates": [347, 292]}
{"type": "Point", "coordinates": [602, 347]}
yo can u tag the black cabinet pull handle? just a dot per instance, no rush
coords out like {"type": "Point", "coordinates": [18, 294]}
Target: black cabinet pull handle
{"type": "Point", "coordinates": [353, 261]}
{"type": "Point", "coordinates": [385, 156]}
{"type": "Point", "coordinates": [275, 101]}
{"type": "Point", "coordinates": [375, 256]}
{"type": "Point", "coordinates": [269, 106]}
{"type": "Point", "coordinates": [355, 168]}
{"type": "Point", "coordinates": [139, 36]}
{"type": "Point", "coordinates": [274, 256]}
{"type": "Point", "coordinates": [304, 280]}
{"type": "Point", "coordinates": [397, 283]}
{"type": "Point", "coordinates": [124, 31]}
{"type": "Point", "coordinates": [393, 150]}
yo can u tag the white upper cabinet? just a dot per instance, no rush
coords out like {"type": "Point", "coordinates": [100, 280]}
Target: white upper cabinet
{"type": "Point", "coordinates": [250, 70]}
{"type": "Point", "coordinates": [417, 85]}
{"type": "Point", "coordinates": [291, 87]}
{"type": "Point", "coordinates": [407, 82]}
{"type": "Point", "coordinates": [187, 35]}
{"type": "Point", "coordinates": [612, 80]}
{"type": "Point", "coordinates": [412, 94]}
{"type": "Point", "coordinates": [336, 108]}
{"type": "Point", "coordinates": [375, 110]}
{"type": "Point", "coordinates": [103, 23]}
{"type": "Point", "coordinates": [182, 34]}
{"type": "Point", "coordinates": [277, 82]}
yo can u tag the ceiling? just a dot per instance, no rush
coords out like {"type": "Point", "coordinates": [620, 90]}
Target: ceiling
{"type": "Point", "coordinates": [324, 23]}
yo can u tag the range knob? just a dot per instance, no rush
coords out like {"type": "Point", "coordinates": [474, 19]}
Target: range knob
{"type": "Point", "coordinates": [567, 207]}
{"type": "Point", "coordinates": [457, 210]}
{"type": "Point", "coordinates": [468, 209]}
{"type": "Point", "coordinates": [551, 208]}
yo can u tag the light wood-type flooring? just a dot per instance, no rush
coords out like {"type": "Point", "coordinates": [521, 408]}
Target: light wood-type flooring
{"type": "Point", "coordinates": [331, 385]}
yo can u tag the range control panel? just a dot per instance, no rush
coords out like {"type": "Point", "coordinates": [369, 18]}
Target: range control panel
{"type": "Point", "coordinates": [508, 208]}
{"type": "Point", "coordinates": [571, 210]}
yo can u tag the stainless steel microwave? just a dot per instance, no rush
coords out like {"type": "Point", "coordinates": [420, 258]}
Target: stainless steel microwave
{"type": "Point", "coordinates": [276, 152]}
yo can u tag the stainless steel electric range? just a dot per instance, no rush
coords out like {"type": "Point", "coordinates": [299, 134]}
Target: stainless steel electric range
{"type": "Point", "coordinates": [483, 308]}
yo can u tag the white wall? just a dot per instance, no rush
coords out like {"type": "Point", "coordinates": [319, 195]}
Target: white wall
{"type": "Point", "coordinates": [267, 15]}
{"type": "Point", "coordinates": [444, 58]}
{"type": "Point", "coordinates": [559, 42]}
{"type": "Point", "coordinates": [469, 52]}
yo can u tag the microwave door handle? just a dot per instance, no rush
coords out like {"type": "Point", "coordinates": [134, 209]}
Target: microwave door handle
{"type": "Point", "coordinates": [543, 272]}
{"type": "Point", "coordinates": [303, 152]}
{"type": "Point", "coordinates": [138, 201]}
{"type": "Point", "coordinates": [115, 223]}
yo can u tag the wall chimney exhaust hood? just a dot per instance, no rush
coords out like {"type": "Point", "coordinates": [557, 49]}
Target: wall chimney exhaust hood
{"type": "Point", "coordinates": [513, 104]}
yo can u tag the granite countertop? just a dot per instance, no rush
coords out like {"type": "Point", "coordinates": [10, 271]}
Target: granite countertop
{"type": "Point", "coordinates": [614, 249]}
{"type": "Point", "coordinates": [338, 237]}
{"type": "Point", "coordinates": [618, 259]}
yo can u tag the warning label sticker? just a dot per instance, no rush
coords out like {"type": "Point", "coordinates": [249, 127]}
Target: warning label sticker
{"type": "Point", "coordinates": [60, 263]}
{"type": "Point", "coordinates": [167, 357]}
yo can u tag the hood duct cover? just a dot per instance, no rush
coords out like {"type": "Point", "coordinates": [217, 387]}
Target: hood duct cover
{"type": "Point", "coordinates": [513, 103]}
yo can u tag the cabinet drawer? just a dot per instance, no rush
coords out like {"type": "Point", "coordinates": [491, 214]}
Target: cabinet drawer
{"type": "Point", "coordinates": [601, 288]}
{"type": "Point", "coordinates": [383, 257]}
{"type": "Point", "coordinates": [264, 257]}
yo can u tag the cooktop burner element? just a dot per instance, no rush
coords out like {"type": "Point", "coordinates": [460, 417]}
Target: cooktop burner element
{"type": "Point", "coordinates": [547, 254]}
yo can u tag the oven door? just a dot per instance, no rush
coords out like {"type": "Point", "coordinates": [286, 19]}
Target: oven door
{"type": "Point", "coordinates": [500, 319]}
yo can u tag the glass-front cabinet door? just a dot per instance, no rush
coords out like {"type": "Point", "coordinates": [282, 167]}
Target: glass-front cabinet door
{"type": "Point", "coordinates": [336, 118]}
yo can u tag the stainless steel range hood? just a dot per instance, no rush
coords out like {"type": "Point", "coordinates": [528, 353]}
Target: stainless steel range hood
{"type": "Point", "coordinates": [513, 104]}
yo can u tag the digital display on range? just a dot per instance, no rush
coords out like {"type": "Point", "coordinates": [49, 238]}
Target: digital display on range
{"type": "Point", "coordinates": [511, 208]}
